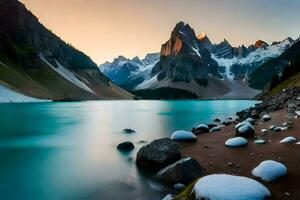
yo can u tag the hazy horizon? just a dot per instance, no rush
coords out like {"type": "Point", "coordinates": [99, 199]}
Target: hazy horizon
{"type": "Point", "coordinates": [105, 29]}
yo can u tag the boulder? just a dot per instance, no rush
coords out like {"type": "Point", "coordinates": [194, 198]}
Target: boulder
{"type": "Point", "coordinates": [202, 128]}
{"type": "Point", "coordinates": [183, 171]}
{"type": "Point", "coordinates": [245, 131]}
{"type": "Point", "coordinates": [250, 120]}
{"type": "Point", "coordinates": [125, 146]}
{"type": "Point", "coordinates": [183, 136]}
{"type": "Point", "coordinates": [269, 170]}
{"type": "Point", "coordinates": [236, 142]}
{"type": "Point", "coordinates": [158, 154]}
{"type": "Point", "coordinates": [242, 124]}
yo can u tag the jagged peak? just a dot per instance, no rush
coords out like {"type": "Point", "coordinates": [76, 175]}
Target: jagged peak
{"type": "Point", "coordinates": [202, 35]}
{"type": "Point", "coordinates": [260, 43]}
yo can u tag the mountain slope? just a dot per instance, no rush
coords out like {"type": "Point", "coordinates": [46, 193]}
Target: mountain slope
{"type": "Point", "coordinates": [37, 63]}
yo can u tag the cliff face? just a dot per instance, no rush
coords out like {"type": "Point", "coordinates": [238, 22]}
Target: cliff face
{"type": "Point", "coordinates": [40, 64]}
{"type": "Point", "coordinates": [184, 58]}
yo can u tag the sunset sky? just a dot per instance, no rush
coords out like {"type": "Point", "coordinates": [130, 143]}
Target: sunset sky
{"type": "Point", "coordinates": [104, 29]}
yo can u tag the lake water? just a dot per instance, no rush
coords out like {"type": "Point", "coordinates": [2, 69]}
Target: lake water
{"type": "Point", "coordinates": [68, 150]}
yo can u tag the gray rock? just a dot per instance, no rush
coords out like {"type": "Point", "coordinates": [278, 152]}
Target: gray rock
{"type": "Point", "coordinates": [158, 154]}
{"type": "Point", "coordinates": [250, 120]}
{"type": "Point", "coordinates": [184, 171]}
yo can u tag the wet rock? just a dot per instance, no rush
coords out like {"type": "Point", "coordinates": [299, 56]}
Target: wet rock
{"type": "Point", "coordinates": [215, 129]}
{"type": "Point", "coordinates": [210, 126]}
{"type": "Point", "coordinates": [236, 142]}
{"type": "Point", "coordinates": [202, 128]}
{"type": "Point", "coordinates": [217, 120]}
{"type": "Point", "coordinates": [183, 136]}
{"type": "Point", "coordinates": [183, 171]}
{"type": "Point", "coordinates": [245, 131]}
{"type": "Point", "coordinates": [128, 130]}
{"type": "Point", "coordinates": [158, 154]}
{"type": "Point", "coordinates": [250, 120]}
{"type": "Point", "coordinates": [125, 146]}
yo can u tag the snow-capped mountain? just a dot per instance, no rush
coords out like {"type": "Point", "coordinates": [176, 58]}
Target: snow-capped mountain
{"type": "Point", "coordinates": [128, 73]}
{"type": "Point", "coordinates": [246, 65]}
{"type": "Point", "coordinates": [193, 67]}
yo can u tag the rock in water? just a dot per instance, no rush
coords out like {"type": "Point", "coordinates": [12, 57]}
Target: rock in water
{"type": "Point", "coordinates": [266, 118]}
{"type": "Point", "coordinates": [228, 187]}
{"type": "Point", "coordinates": [183, 171]}
{"type": "Point", "coordinates": [183, 136]}
{"type": "Point", "coordinates": [269, 170]}
{"type": "Point", "coordinates": [128, 130]}
{"type": "Point", "coordinates": [158, 154]}
{"type": "Point", "coordinates": [236, 142]}
{"type": "Point", "coordinates": [246, 131]}
{"type": "Point", "coordinates": [125, 146]}
{"type": "Point", "coordinates": [287, 140]}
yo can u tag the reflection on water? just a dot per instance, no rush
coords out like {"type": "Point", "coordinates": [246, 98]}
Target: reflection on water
{"type": "Point", "coordinates": [68, 150]}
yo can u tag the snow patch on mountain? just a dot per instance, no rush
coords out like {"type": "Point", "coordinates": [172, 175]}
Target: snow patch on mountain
{"type": "Point", "coordinates": [67, 74]}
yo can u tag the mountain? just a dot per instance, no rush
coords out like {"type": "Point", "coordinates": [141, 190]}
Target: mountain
{"type": "Point", "coordinates": [129, 73]}
{"type": "Point", "coordinates": [254, 57]}
{"type": "Point", "coordinates": [289, 58]}
{"type": "Point", "coordinates": [37, 63]}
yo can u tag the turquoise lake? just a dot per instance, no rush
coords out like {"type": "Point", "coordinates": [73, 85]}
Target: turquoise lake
{"type": "Point", "coordinates": [68, 150]}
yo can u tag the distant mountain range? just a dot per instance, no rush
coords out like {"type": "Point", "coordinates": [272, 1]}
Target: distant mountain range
{"type": "Point", "coordinates": [37, 63]}
{"type": "Point", "coordinates": [193, 67]}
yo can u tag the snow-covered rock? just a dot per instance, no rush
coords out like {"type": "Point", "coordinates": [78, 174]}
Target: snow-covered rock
{"type": "Point", "coordinates": [269, 170]}
{"type": "Point", "coordinates": [7, 95]}
{"type": "Point", "coordinates": [260, 142]}
{"type": "Point", "coordinates": [289, 139]}
{"type": "Point", "coordinates": [183, 136]}
{"type": "Point", "coordinates": [228, 187]}
{"type": "Point", "coordinates": [266, 118]}
{"type": "Point", "coordinates": [236, 142]}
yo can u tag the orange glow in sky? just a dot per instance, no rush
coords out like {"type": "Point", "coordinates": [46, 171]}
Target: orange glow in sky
{"type": "Point", "coordinates": [104, 29]}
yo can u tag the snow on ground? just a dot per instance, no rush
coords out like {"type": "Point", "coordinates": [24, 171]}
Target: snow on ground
{"type": "Point", "coordinates": [289, 139]}
{"type": "Point", "coordinates": [183, 136]}
{"type": "Point", "coordinates": [7, 95]}
{"type": "Point", "coordinates": [269, 170]}
{"type": "Point", "coordinates": [228, 187]}
{"type": "Point", "coordinates": [67, 74]}
{"type": "Point", "coordinates": [236, 142]}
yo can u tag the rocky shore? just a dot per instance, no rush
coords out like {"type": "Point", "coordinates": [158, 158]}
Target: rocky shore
{"type": "Point", "coordinates": [260, 150]}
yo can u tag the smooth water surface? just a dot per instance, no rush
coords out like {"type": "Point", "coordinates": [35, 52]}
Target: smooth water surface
{"type": "Point", "coordinates": [68, 150]}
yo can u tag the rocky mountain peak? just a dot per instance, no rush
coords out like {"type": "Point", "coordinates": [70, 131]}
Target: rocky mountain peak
{"type": "Point", "coordinates": [260, 44]}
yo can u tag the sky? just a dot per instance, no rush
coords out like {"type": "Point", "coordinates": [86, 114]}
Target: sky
{"type": "Point", "coordinates": [104, 29]}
